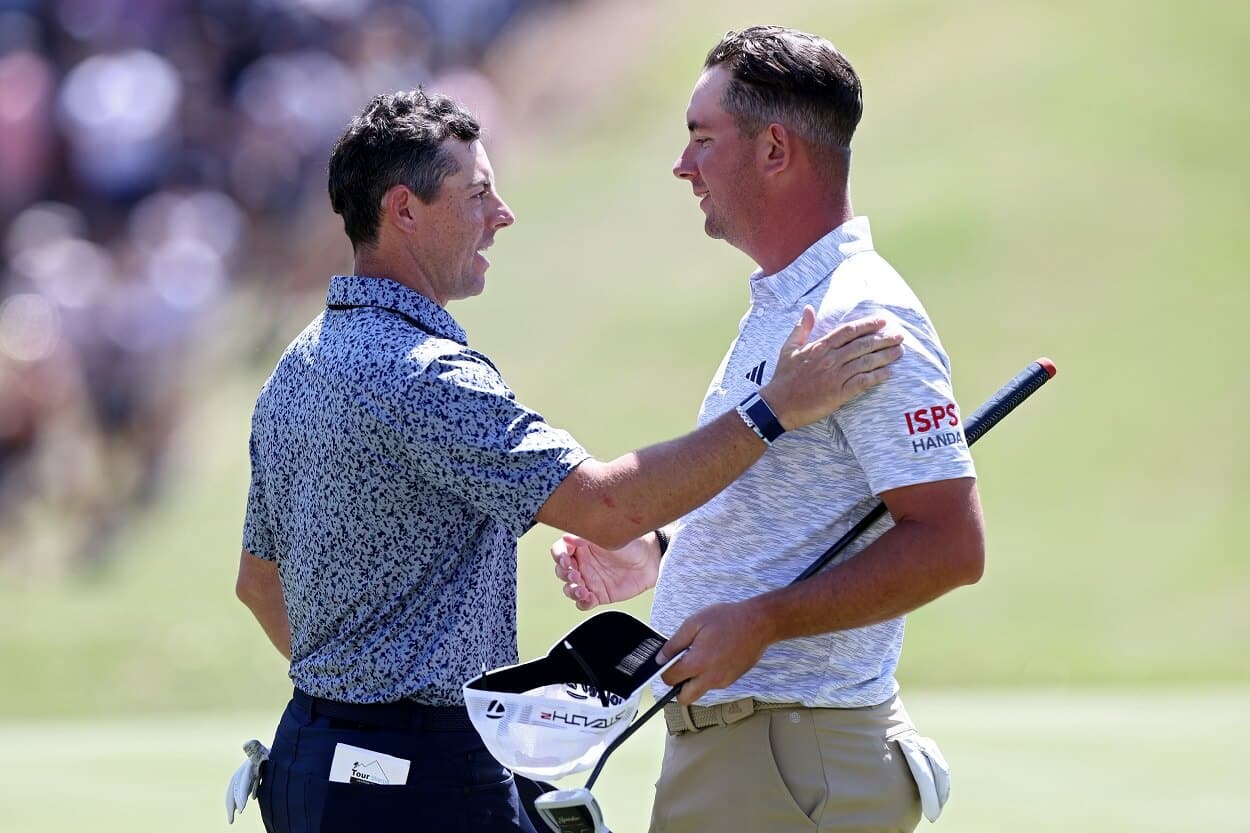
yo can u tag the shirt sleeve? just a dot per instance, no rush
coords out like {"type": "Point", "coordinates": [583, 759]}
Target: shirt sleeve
{"type": "Point", "coordinates": [258, 537]}
{"type": "Point", "coordinates": [909, 429]}
{"type": "Point", "coordinates": [471, 437]}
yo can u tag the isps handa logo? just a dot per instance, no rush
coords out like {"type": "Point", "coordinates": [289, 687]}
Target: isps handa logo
{"type": "Point", "coordinates": [931, 427]}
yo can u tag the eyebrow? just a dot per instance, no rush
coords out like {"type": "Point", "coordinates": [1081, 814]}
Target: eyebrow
{"type": "Point", "coordinates": [692, 125]}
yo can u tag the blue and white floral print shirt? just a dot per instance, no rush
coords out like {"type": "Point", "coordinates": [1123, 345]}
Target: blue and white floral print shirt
{"type": "Point", "coordinates": [392, 473]}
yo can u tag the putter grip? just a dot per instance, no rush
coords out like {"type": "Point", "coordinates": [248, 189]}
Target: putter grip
{"type": "Point", "coordinates": [1024, 385]}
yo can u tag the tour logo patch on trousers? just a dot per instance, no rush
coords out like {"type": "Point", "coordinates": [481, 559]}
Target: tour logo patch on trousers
{"type": "Point", "coordinates": [354, 765]}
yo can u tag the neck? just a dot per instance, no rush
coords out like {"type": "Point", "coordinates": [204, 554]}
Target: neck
{"type": "Point", "coordinates": [793, 226]}
{"type": "Point", "coordinates": [379, 262]}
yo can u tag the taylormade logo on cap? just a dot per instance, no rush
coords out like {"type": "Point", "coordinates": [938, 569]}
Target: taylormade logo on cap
{"type": "Point", "coordinates": [554, 716]}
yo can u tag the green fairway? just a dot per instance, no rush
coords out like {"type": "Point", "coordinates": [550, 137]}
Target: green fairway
{"type": "Point", "coordinates": [1066, 179]}
{"type": "Point", "coordinates": [1168, 761]}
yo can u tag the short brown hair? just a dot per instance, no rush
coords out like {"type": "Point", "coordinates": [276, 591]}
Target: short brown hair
{"type": "Point", "coordinates": [792, 78]}
{"type": "Point", "coordinates": [396, 140]}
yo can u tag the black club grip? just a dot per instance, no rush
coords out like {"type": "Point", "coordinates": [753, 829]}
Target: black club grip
{"type": "Point", "coordinates": [1024, 385]}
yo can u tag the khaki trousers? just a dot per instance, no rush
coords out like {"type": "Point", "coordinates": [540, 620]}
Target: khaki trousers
{"type": "Point", "coordinates": [796, 769]}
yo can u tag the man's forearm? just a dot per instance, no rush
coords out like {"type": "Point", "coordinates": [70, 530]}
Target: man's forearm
{"type": "Point", "coordinates": [273, 621]}
{"type": "Point", "coordinates": [895, 575]}
{"type": "Point", "coordinates": [259, 587]}
{"type": "Point", "coordinates": [909, 566]}
{"type": "Point", "coordinates": [615, 502]}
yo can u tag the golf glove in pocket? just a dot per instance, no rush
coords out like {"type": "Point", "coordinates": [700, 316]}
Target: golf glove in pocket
{"type": "Point", "coordinates": [246, 779]}
{"type": "Point", "coordinates": [929, 769]}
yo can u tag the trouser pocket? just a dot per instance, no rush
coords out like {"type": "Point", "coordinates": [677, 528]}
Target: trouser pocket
{"type": "Point", "coordinates": [930, 771]}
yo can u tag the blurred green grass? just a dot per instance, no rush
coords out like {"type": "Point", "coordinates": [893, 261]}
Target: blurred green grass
{"type": "Point", "coordinates": [1067, 180]}
{"type": "Point", "coordinates": [1029, 762]}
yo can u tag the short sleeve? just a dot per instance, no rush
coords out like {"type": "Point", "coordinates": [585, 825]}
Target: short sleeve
{"type": "Point", "coordinates": [470, 436]}
{"type": "Point", "coordinates": [258, 535]}
{"type": "Point", "coordinates": [909, 429]}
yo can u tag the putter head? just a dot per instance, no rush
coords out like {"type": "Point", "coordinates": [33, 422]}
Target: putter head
{"type": "Point", "coordinates": [571, 811]}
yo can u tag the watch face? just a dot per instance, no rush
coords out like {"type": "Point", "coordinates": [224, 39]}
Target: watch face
{"type": "Point", "coordinates": [763, 417]}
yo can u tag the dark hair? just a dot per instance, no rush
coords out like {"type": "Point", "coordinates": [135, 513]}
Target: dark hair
{"type": "Point", "coordinates": [792, 78]}
{"type": "Point", "coordinates": [396, 140]}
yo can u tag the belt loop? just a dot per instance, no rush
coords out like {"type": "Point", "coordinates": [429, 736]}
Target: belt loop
{"type": "Point", "coordinates": [304, 702]}
{"type": "Point", "coordinates": [687, 718]}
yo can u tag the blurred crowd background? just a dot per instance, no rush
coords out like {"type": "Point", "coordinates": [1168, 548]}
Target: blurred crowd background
{"type": "Point", "coordinates": [157, 158]}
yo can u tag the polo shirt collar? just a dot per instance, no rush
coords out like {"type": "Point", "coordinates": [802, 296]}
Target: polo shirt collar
{"type": "Point", "coordinates": [815, 264]}
{"type": "Point", "coordinates": [357, 290]}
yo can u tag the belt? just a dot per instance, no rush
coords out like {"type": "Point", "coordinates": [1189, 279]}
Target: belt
{"type": "Point", "coordinates": [405, 714]}
{"type": "Point", "coordinates": [682, 719]}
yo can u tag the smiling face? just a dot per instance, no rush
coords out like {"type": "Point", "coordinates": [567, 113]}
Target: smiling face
{"type": "Point", "coordinates": [451, 232]}
{"type": "Point", "coordinates": [719, 163]}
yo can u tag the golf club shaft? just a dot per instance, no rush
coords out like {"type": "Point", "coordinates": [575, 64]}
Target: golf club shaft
{"type": "Point", "coordinates": [1024, 385]}
{"type": "Point", "coordinates": [1010, 395]}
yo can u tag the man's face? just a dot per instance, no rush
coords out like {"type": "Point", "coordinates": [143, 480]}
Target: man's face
{"type": "Point", "coordinates": [719, 163]}
{"type": "Point", "coordinates": [453, 231]}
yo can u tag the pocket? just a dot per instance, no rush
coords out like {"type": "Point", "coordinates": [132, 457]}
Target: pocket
{"type": "Point", "coordinates": [793, 755]}
{"type": "Point", "coordinates": [481, 796]}
{"type": "Point", "coordinates": [493, 806]}
{"type": "Point", "coordinates": [929, 770]}
{"type": "Point", "coordinates": [264, 793]}
{"type": "Point", "coordinates": [369, 806]}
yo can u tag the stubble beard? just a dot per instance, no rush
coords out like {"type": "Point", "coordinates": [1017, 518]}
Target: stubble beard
{"type": "Point", "coordinates": [712, 228]}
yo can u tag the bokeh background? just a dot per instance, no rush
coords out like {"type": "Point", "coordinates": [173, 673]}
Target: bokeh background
{"type": "Point", "coordinates": [1065, 179]}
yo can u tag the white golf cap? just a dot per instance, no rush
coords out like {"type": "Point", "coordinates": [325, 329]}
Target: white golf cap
{"type": "Point", "coordinates": [555, 715]}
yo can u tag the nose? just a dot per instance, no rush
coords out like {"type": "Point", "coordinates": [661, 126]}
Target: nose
{"type": "Point", "coordinates": [503, 216]}
{"type": "Point", "coordinates": [684, 168]}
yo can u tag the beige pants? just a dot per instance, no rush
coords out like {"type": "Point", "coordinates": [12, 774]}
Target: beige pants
{"type": "Point", "coordinates": [827, 770]}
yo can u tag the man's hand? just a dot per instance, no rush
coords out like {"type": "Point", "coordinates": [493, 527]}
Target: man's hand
{"type": "Point", "coordinates": [594, 576]}
{"type": "Point", "coordinates": [722, 642]}
{"type": "Point", "coordinates": [814, 379]}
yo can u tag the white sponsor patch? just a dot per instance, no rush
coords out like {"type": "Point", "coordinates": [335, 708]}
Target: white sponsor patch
{"type": "Point", "coordinates": [353, 765]}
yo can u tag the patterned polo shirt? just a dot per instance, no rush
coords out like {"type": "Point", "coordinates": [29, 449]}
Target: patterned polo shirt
{"type": "Point", "coordinates": [392, 473]}
{"type": "Point", "coordinates": [815, 483]}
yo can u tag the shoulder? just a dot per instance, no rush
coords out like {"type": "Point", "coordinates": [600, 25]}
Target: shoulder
{"type": "Point", "coordinates": [865, 284]}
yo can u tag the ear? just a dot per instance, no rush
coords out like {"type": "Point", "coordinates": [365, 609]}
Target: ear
{"type": "Point", "coordinates": [776, 149]}
{"type": "Point", "coordinates": [400, 208]}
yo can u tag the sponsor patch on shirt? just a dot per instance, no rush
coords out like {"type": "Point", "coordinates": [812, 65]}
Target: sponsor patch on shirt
{"type": "Point", "coordinates": [934, 426]}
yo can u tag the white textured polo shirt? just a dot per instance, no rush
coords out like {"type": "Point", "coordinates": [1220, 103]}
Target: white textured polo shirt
{"type": "Point", "coordinates": [816, 482]}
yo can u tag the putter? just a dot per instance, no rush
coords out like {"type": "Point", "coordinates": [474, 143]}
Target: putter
{"type": "Point", "coordinates": [577, 811]}
{"type": "Point", "coordinates": [571, 811]}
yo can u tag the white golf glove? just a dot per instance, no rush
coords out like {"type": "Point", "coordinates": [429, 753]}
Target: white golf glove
{"type": "Point", "coordinates": [246, 779]}
{"type": "Point", "coordinates": [930, 771]}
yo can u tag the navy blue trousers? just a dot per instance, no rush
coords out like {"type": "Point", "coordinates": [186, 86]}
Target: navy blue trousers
{"type": "Point", "coordinates": [454, 784]}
